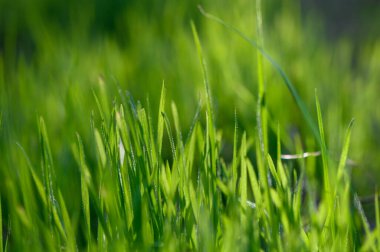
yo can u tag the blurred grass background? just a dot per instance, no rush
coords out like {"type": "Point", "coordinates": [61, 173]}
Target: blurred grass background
{"type": "Point", "coordinates": [54, 53]}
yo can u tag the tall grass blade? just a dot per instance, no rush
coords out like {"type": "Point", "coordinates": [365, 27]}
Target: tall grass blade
{"type": "Point", "coordinates": [280, 168]}
{"type": "Point", "coordinates": [254, 185]}
{"type": "Point", "coordinates": [261, 117]}
{"type": "Point", "coordinates": [243, 173]}
{"type": "Point", "coordinates": [235, 158]}
{"type": "Point", "coordinates": [47, 164]}
{"type": "Point", "coordinates": [100, 108]}
{"type": "Point", "coordinates": [209, 107]}
{"type": "Point", "coordinates": [363, 217]}
{"type": "Point", "coordinates": [160, 124]}
{"type": "Point", "coordinates": [260, 43]}
{"type": "Point", "coordinates": [204, 71]}
{"type": "Point", "coordinates": [39, 185]}
{"type": "Point", "coordinates": [100, 148]}
{"type": "Point", "coordinates": [85, 181]}
{"type": "Point", "coordinates": [343, 157]}
{"type": "Point", "coordinates": [87, 188]}
{"type": "Point", "coordinates": [49, 183]}
{"type": "Point", "coordinates": [170, 135]}
{"type": "Point", "coordinates": [69, 232]}
{"type": "Point", "coordinates": [273, 171]}
{"type": "Point", "coordinates": [301, 105]}
{"type": "Point", "coordinates": [326, 177]}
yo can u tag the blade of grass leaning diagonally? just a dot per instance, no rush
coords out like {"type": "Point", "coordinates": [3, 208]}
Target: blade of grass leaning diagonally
{"type": "Point", "coordinates": [209, 107]}
{"type": "Point", "coordinates": [49, 183]}
{"type": "Point", "coordinates": [360, 209]}
{"type": "Point", "coordinates": [255, 187]}
{"type": "Point", "coordinates": [328, 195]}
{"type": "Point", "coordinates": [70, 244]}
{"type": "Point", "coordinates": [266, 198]}
{"type": "Point", "coordinates": [100, 109]}
{"type": "Point", "coordinates": [180, 149]}
{"type": "Point", "coordinates": [153, 153]}
{"type": "Point", "coordinates": [160, 124]}
{"type": "Point", "coordinates": [343, 156]}
{"type": "Point", "coordinates": [170, 135]}
{"type": "Point", "coordinates": [158, 142]}
{"type": "Point", "coordinates": [369, 244]}
{"type": "Point", "coordinates": [280, 168]}
{"type": "Point", "coordinates": [85, 180]}
{"type": "Point", "coordinates": [326, 177]}
{"type": "Point", "coordinates": [128, 184]}
{"type": "Point", "coordinates": [211, 147]}
{"type": "Point", "coordinates": [92, 195]}
{"type": "Point", "coordinates": [46, 165]}
{"type": "Point", "coordinates": [39, 185]}
{"type": "Point", "coordinates": [301, 105]}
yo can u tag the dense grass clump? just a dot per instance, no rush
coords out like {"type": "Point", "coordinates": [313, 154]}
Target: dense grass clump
{"type": "Point", "coordinates": [134, 198]}
{"type": "Point", "coordinates": [245, 169]}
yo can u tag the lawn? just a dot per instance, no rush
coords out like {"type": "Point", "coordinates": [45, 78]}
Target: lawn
{"type": "Point", "coordinates": [181, 126]}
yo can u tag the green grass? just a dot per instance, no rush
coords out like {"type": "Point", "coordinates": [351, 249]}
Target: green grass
{"type": "Point", "coordinates": [244, 146]}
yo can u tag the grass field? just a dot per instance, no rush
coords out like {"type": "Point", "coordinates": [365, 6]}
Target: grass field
{"type": "Point", "coordinates": [178, 127]}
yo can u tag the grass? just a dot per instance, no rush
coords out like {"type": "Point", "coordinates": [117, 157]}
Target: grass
{"type": "Point", "coordinates": [91, 168]}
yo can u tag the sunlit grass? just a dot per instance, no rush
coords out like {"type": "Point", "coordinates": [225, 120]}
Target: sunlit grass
{"type": "Point", "coordinates": [233, 151]}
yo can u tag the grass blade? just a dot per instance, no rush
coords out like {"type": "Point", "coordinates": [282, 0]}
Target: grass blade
{"type": "Point", "coordinates": [39, 185]}
{"type": "Point", "coordinates": [301, 105]}
{"type": "Point", "coordinates": [204, 71]}
{"type": "Point", "coordinates": [49, 183]}
{"type": "Point", "coordinates": [326, 177]}
{"type": "Point", "coordinates": [47, 164]}
{"type": "Point", "coordinates": [69, 232]}
{"type": "Point", "coordinates": [210, 113]}
{"type": "Point", "coordinates": [235, 158]}
{"type": "Point", "coordinates": [170, 135]}
{"type": "Point", "coordinates": [85, 181]}
{"type": "Point", "coordinates": [343, 157]}
{"type": "Point", "coordinates": [261, 117]}
{"type": "Point", "coordinates": [273, 171]}
{"type": "Point", "coordinates": [254, 185]}
{"type": "Point", "coordinates": [160, 124]}
{"type": "Point", "coordinates": [359, 207]}
{"type": "Point", "coordinates": [243, 173]}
